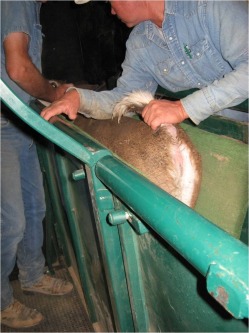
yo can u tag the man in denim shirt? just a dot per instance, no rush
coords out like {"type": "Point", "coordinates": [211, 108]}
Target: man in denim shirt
{"type": "Point", "coordinates": [178, 45]}
{"type": "Point", "coordinates": [22, 195]}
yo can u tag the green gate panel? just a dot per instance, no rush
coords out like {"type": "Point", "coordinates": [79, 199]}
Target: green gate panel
{"type": "Point", "coordinates": [223, 197]}
{"type": "Point", "coordinates": [172, 295]}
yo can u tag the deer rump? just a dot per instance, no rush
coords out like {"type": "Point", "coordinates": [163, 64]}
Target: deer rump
{"type": "Point", "coordinates": [166, 157]}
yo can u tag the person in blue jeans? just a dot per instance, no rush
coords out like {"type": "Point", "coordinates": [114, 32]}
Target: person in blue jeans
{"type": "Point", "coordinates": [178, 45]}
{"type": "Point", "coordinates": [22, 195]}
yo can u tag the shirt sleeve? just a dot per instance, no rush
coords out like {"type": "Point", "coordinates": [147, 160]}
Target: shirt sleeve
{"type": "Point", "coordinates": [227, 25]}
{"type": "Point", "coordinates": [13, 22]}
{"type": "Point", "coordinates": [21, 16]}
{"type": "Point", "coordinates": [99, 105]}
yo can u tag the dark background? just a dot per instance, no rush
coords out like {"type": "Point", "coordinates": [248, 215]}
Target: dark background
{"type": "Point", "coordinates": [82, 42]}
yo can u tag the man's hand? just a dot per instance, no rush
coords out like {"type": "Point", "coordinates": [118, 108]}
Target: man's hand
{"type": "Point", "coordinates": [69, 104]}
{"type": "Point", "coordinates": [159, 112]}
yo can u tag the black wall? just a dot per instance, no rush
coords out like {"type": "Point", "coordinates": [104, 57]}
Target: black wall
{"type": "Point", "coordinates": [82, 42]}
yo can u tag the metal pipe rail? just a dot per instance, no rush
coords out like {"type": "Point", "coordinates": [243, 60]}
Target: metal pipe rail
{"type": "Point", "coordinates": [222, 259]}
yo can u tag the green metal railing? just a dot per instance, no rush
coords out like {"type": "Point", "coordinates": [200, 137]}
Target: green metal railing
{"type": "Point", "coordinates": [222, 259]}
{"type": "Point", "coordinates": [214, 253]}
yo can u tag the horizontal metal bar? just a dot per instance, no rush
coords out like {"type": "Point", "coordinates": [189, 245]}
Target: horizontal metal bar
{"type": "Point", "coordinates": [198, 240]}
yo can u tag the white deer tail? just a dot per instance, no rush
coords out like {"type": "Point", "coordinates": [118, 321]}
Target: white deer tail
{"type": "Point", "coordinates": [134, 102]}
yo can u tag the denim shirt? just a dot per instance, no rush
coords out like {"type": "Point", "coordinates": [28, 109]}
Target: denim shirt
{"type": "Point", "coordinates": [202, 44]}
{"type": "Point", "coordinates": [21, 16]}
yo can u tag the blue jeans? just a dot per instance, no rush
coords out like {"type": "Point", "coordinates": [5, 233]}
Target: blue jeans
{"type": "Point", "coordinates": [22, 209]}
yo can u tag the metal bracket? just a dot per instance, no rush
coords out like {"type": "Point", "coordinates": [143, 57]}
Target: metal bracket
{"type": "Point", "coordinates": [79, 175]}
{"type": "Point", "coordinates": [228, 290]}
{"type": "Point", "coordinates": [121, 216]}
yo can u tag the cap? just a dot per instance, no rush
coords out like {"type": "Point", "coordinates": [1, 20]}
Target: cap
{"type": "Point", "coordinates": [81, 2]}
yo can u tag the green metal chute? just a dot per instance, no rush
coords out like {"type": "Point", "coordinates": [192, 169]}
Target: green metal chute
{"type": "Point", "coordinates": [218, 256]}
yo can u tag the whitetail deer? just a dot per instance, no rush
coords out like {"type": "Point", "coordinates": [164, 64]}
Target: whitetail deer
{"type": "Point", "coordinates": [166, 157]}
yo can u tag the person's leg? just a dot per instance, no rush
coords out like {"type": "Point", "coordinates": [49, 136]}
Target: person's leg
{"type": "Point", "coordinates": [12, 209]}
{"type": "Point", "coordinates": [13, 313]}
{"type": "Point", "coordinates": [30, 258]}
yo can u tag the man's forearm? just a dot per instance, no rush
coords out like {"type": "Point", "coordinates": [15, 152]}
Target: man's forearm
{"type": "Point", "coordinates": [31, 80]}
{"type": "Point", "coordinates": [221, 94]}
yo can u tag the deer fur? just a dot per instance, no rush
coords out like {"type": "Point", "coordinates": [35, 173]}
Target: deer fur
{"type": "Point", "coordinates": [166, 157]}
